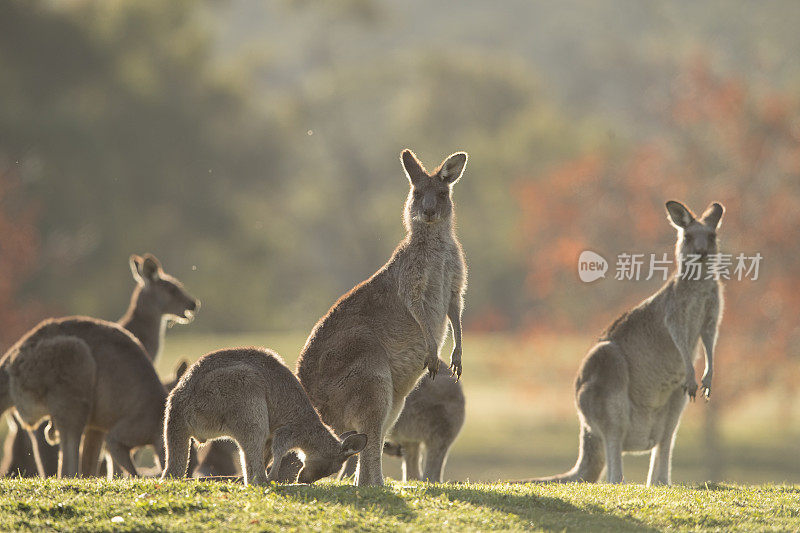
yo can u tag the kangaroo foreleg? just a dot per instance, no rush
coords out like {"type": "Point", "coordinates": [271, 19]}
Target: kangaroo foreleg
{"type": "Point", "coordinates": [454, 311]}
{"type": "Point", "coordinates": [678, 333]}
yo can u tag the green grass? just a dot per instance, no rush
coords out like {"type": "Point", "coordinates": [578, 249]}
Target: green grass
{"type": "Point", "coordinates": [520, 423]}
{"type": "Point", "coordinates": [92, 505]}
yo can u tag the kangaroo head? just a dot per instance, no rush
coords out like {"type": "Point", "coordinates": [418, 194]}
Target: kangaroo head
{"type": "Point", "coordinates": [318, 466]}
{"type": "Point", "coordinates": [161, 292]}
{"type": "Point", "coordinates": [696, 236]}
{"type": "Point", "coordinates": [430, 198]}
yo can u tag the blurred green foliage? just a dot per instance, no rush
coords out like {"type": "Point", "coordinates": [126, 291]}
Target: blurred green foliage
{"type": "Point", "coordinates": [253, 146]}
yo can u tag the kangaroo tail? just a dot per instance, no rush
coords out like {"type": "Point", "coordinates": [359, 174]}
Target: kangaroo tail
{"type": "Point", "coordinates": [588, 467]}
{"type": "Point", "coordinates": [177, 440]}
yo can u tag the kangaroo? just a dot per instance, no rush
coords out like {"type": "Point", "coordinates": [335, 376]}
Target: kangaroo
{"type": "Point", "coordinates": [92, 378]}
{"type": "Point", "coordinates": [157, 299]}
{"type": "Point", "coordinates": [633, 386]}
{"type": "Point", "coordinates": [250, 395]}
{"type": "Point", "coordinates": [366, 354]}
{"type": "Point", "coordinates": [429, 424]}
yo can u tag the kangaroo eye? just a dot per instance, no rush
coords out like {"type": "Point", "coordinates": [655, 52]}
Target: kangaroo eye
{"type": "Point", "coordinates": [417, 195]}
{"type": "Point", "coordinates": [443, 195]}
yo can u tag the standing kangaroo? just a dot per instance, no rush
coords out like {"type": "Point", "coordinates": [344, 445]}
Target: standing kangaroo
{"type": "Point", "coordinates": [366, 354]}
{"type": "Point", "coordinates": [156, 299]}
{"type": "Point", "coordinates": [250, 395]}
{"type": "Point", "coordinates": [85, 373]}
{"type": "Point", "coordinates": [428, 425]}
{"type": "Point", "coordinates": [633, 385]}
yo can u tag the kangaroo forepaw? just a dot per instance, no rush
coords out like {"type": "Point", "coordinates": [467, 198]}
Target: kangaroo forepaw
{"type": "Point", "coordinates": [455, 363]}
{"type": "Point", "coordinates": [433, 367]}
{"type": "Point", "coordinates": [690, 388]}
{"type": "Point", "coordinates": [455, 369]}
{"type": "Point", "coordinates": [706, 387]}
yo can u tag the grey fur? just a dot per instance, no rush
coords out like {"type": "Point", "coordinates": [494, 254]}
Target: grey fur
{"type": "Point", "coordinates": [366, 354]}
{"type": "Point", "coordinates": [91, 378]}
{"type": "Point", "coordinates": [157, 298]}
{"type": "Point", "coordinates": [427, 427]}
{"type": "Point", "coordinates": [249, 394]}
{"type": "Point", "coordinates": [633, 386]}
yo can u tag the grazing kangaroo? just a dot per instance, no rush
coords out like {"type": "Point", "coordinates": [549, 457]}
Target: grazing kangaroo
{"type": "Point", "coordinates": [428, 425]}
{"type": "Point", "coordinates": [156, 299]}
{"type": "Point", "coordinates": [250, 395]}
{"type": "Point", "coordinates": [633, 385]}
{"type": "Point", "coordinates": [89, 376]}
{"type": "Point", "coordinates": [366, 354]}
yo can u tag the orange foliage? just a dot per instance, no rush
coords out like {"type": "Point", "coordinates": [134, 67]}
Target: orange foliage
{"type": "Point", "coordinates": [722, 141]}
{"type": "Point", "coordinates": [19, 250]}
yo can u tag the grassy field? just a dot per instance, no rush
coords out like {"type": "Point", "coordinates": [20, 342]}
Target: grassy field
{"type": "Point", "coordinates": [520, 423]}
{"type": "Point", "coordinates": [148, 505]}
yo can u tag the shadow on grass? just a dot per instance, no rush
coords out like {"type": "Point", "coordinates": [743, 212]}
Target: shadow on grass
{"type": "Point", "coordinates": [383, 499]}
{"type": "Point", "coordinates": [712, 486]}
{"type": "Point", "coordinates": [366, 498]}
{"type": "Point", "coordinates": [545, 512]}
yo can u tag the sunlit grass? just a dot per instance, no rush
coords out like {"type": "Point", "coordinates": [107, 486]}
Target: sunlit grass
{"type": "Point", "coordinates": [95, 505]}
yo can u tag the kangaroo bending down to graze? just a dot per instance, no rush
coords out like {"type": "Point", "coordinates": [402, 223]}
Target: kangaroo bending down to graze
{"type": "Point", "coordinates": [249, 394]}
{"type": "Point", "coordinates": [633, 386]}
{"type": "Point", "coordinates": [157, 299]}
{"type": "Point", "coordinates": [427, 427]}
{"type": "Point", "coordinates": [367, 353]}
{"type": "Point", "coordinates": [85, 374]}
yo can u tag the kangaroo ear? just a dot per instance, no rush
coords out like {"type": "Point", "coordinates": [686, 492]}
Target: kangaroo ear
{"type": "Point", "coordinates": [712, 215]}
{"type": "Point", "coordinates": [353, 444]}
{"type": "Point", "coordinates": [136, 268]}
{"type": "Point", "coordinates": [150, 267]}
{"type": "Point", "coordinates": [346, 434]}
{"type": "Point", "coordinates": [414, 169]}
{"type": "Point", "coordinates": [679, 214]}
{"type": "Point", "coordinates": [453, 167]}
{"type": "Point", "coordinates": [181, 370]}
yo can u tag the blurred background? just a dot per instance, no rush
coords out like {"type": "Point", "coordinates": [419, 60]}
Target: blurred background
{"type": "Point", "coordinates": [253, 147]}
